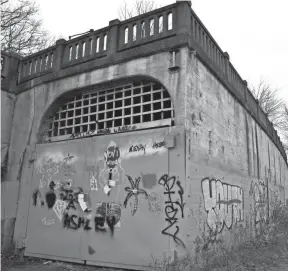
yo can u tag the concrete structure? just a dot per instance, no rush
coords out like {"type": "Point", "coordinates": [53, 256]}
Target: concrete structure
{"type": "Point", "coordinates": [127, 142]}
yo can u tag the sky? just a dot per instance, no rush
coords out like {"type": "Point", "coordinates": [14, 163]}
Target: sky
{"type": "Point", "coordinates": [253, 32]}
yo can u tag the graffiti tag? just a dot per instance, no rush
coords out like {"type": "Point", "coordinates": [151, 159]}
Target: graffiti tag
{"type": "Point", "coordinates": [224, 204]}
{"type": "Point", "coordinates": [134, 190]}
{"type": "Point", "coordinates": [171, 209]}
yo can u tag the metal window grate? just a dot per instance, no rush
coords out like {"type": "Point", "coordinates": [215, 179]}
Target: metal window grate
{"type": "Point", "coordinates": [142, 105]}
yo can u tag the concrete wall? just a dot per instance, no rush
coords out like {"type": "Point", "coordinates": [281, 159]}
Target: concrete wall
{"type": "Point", "coordinates": [34, 103]}
{"type": "Point", "coordinates": [7, 106]}
{"type": "Point", "coordinates": [227, 151]}
{"type": "Point", "coordinates": [221, 141]}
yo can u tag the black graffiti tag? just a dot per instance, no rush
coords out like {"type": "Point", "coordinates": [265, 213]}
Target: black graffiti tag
{"type": "Point", "coordinates": [137, 148]}
{"type": "Point", "coordinates": [70, 196]}
{"type": "Point", "coordinates": [158, 145]}
{"type": "Point", "coordinates": [71, 222]}
{"type": "Point", "coordinates": [171, 209]}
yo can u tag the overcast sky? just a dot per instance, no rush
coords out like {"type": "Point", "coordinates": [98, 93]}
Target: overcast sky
{"type": "Point", "coordinates": [253, 32]}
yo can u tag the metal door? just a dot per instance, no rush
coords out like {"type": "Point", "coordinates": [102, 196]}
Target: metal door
{"type": "Point", "coordinates": [99, 199]}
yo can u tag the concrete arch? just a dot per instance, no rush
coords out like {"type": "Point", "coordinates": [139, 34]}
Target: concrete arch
{"type": "Point", "coordinates": [54, 104]}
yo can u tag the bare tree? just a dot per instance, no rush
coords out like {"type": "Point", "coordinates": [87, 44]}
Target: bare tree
{"type": "Point", "coordinates": [285, 128]}
{"type": "Point", "coordinates": [140, 6]}
{"type": "Point", "coordinates": [21, 27]}
{"type": "Point", "coordinates": [274, 107]}
{"type": "Point", "coordinates": [269, 102]}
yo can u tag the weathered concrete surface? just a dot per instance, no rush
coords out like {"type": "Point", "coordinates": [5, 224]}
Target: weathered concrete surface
{"type": "Point", "coordinates": [33, 104]}
{"type": "Point", "coordinates": [225, 143]}
{"type": "Point", "coordinates": [9, 190]}
{"type": "Point", "coordinates": [222, 140]}
{"type": "Point", "coordinates": [7, 105]}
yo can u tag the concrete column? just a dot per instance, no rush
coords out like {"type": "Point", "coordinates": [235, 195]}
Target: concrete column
{"type": "Point", "coordinates": [227, 65]}
{"type": "Point", "coordinates": [113, 37]}
{"type": "Point", "coordinates": [59, 54]}
{"type": "Point", "coordinates": [183, 17]}
{"type": "Point", "coordinates": [245, 89]}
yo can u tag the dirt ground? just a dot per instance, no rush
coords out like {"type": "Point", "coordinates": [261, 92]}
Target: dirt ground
{"type": "Point", "coordinates": [28, 263]}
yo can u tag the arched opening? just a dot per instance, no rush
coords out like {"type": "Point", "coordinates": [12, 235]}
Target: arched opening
{"type": "Point", "coordinates": [143, 30]}
{"type": "Point", "coordinates": [83, 48]}
{"type": "Point", "coordinates": [105, 43]}
{"type": "Point", "coordinates": [134, 32]}
{"type": "Point", "coordinates": [126, 35]}
{"type": "Point", "coordinates": [151, 27]}
{"type": "Point", "coordinates": [97, 45]}
{"type": "Point", "coordinates": [122, 107]}
{"type": "Point", "coordinates": [77, 51]}
{"type": "Point", "coordinates": [160, 24]}
{"type": "Point", "coordinates": [170, 21]}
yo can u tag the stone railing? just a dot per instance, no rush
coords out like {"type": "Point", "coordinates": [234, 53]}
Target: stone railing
{"type": "Point", "coordinates": [155, 25]}
{"type": "Point", "coordinates": [85, 48]}
{"type": "Point", "coordinates": [37, 64]}
{"type": "Point", "coordinates": [163, 29]}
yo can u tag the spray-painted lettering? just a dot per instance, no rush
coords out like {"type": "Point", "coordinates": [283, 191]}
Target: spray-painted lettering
{"type": "Point", "coordinates": [137, 148]}
{"type": "Point", "coordinates": [171, 210]}
{"type": "Point", "coordinates": [158, 145]}
{"type": "Point", "coordinates": [224, 204]}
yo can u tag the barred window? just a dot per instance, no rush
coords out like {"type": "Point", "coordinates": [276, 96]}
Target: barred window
{"type": "Point", "coordinates": [133, 106]}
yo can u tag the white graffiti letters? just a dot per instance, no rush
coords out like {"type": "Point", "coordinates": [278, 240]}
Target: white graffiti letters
{"type": "Point", "coordinates": [224, 204]}
{"type": "Point", "coordinates": [93, 184]}
{"type": "Point", "coordinates": [59, 208]}
{"type": "Point", "coordinates": [47, 222]}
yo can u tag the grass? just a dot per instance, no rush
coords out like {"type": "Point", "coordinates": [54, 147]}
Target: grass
{"type": "Point", "coordinates": [260, 247]}
{"type": "Point", "coordinates": [263, 246]}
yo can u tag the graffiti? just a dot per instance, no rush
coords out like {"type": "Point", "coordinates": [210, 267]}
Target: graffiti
{"type": "Point", "coordinates": [111, 173]}
{"type": "Point", "coordinates": [105, 131]}
{"type": "Point", "coordinates": [145, 147]}
{"type": "Point", "coordinates": [149, 180]}
{"type": "Point", "coordinates": [47, 222]}
{"type": "Point", "coordinates": [51, 163]}
{"type": "Point", "coordinates": [68, 159]}
{"type": "Point", "coordinates": [83, 134]}
{"type": "Point", "coordinates": [57, 183]}
{"type": "Point", "coordinates": [107, 216]}
{"type": "Point", "coordinates": [154, 203]}
{"type": "Point", "coordinates": [125, 128]}
{"type": "Point", "coordinates": [93, 184]}
{"type": "Point", "coordinates": [259, 192]}
{"type": "Point", "coordinates": [91, 250]}
{"type": "Point", "coordinates": [82, 200]}
{"type": "Point", "coordinates": [134, 190]}
{"type": "Point", "coordinates": [171, 209]}
{"type": "Point", "coordinates": [224, 204]}
{"type": "Point", "coordinates": [37, 194]}
{"type": "Point", "coordinates": [111, 156]}
{"type": "Point", "coordinates": [74, 222]}
{"type": "Point", "coordinates": [74, 196]}
{"type": "Point", "coordinates": [137, 148]}
{"type": "Point", "coordinates": [67, 198]}
{"type": "Point", "coordinates": [52, 168]}
{"type": "Point", "coordinates": [158, 145]}
{"type": "Point", "coordinates": [59, 208]}
{"type": "Point", "coordinates": [50, 196]}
